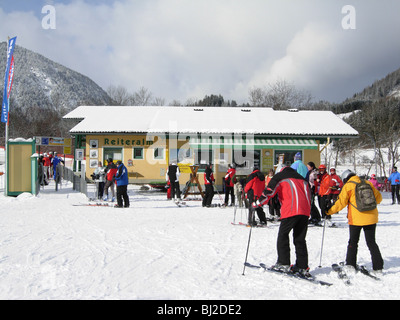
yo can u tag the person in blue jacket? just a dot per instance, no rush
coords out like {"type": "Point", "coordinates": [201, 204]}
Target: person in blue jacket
{"type": "Point", "coordinates": [395, 185]}
{"type": "Point", "coordinates": [56, 160]}
{"type": "Point", "coordinates": [122, 181]}
{"type": "Point", "coordinates": [299, 166]}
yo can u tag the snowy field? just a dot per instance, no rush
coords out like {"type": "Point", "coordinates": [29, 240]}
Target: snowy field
{"type": "Point", "coordinates": [50, 249]}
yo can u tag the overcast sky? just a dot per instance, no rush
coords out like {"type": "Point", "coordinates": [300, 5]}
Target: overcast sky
{"type": "Point", "coordinates": [182, 49]}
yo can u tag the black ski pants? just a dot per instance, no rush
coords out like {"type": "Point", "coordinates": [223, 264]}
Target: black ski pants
{"type": "Point", "coordinates": [299, 225]}
{"type": "Point", "coordinates": [260, 213]}
{"type": "Point", "coordinates": [175, 190]}
{"type": "Point", "coordinates": [274, 207]}
{"type": "Point", "coordinates": [369, 232]}
{"type": "Point", "coordinates": [395, 193]}
{"type": "Point", "coordinates": [208, 196]}
{"type": "Point", "coordinates": [229, 191]}
{"type": "Point", "coordinates": [315, 215]}
{"type": "Point", "coordinates": [122, 193]}
{"type": "Point", "coordinates": [100, 190]}
{"type": "Point", "coordinates": [324, 203]}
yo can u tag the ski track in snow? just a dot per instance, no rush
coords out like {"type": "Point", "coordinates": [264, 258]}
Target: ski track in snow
{"type": "Point", "coordinates": [50, 249]}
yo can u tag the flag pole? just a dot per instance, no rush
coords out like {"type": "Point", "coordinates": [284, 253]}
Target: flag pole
{"type": "Point", "coordinates": [6, 142]}
{"type": "Point", "coordinates": [5, 109]}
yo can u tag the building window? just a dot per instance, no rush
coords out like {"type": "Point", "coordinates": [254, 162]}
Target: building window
{"type": "Point", "coordinates": [287, 155]}
{"type": "Point", "coordinates": [181, 155]}
{"type": "Point", "coordinates": [138, 153]}
{"type": "Point", "coordinates": [203, 157]}
{"type": "Point", "coordinates": [158, 153]}
{"type": "Point", "coordinates": [223, 158]}
{"type": "Point", "coordinates": [113, 153]}
{"type": "Point", "coordinates": [246, 159]}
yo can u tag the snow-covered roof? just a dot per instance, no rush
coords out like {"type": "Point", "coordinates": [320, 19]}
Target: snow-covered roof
{"type": "Point", "coordinates": [210, 120]}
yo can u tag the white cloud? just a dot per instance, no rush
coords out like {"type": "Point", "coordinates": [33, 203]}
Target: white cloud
{"type": "Point", "coordinates": [309, 48]}
{"type": "Point", "coordinates": [181, 49]}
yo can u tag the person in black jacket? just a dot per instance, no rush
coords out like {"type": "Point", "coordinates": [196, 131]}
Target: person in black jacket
{"type": "Point", "coordinates": [311, 177]}
{"type": "Point", "coordinates": [173, 174]}
{"type": "Point", "coordinates": [209, 185]}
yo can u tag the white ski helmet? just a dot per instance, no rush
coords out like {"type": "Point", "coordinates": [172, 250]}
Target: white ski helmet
{"type": "Point", "coordinates": [347, 174]}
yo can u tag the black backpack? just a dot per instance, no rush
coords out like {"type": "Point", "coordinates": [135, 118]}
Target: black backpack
{"type": "Point", "coordinates": [365, 197]}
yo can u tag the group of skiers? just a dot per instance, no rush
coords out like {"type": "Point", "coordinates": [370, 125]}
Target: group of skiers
{"type": "Point", "coordinates": [290, 194]}
{"type": "Point", "coordinates": [48, 163]}
{"type": "Point", "coordinates": [296, 188]}
{"type": "Point", "coordinates": [114, 174]}
{"type": "Point", "coordinates": [174, 193]}
{"type": "Point", "coordinates": [323, 185]}
{"type": "Point", "coordinates": [229, 181]}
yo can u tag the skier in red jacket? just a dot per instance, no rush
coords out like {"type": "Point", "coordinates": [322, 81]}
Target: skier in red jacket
{"type": "Point", "coordinates": [110, 171]}
{"type": "Point", "coordinates": [254, 189]}
{"type": "Point", "coordinates": [294, 194]}
{"type": "Point", "coordinates": [229, 183]}
{"type": "Point", "coordinates": [337, 187]}
{"type": "Point", "coordinates": [325, 185]}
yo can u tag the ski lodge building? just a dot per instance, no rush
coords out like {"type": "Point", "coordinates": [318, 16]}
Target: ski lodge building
{"type": "Point", "coordinates": [148, 139]}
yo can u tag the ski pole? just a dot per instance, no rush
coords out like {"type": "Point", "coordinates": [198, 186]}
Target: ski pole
{"type": "Point", "coordinates": [247, 251]}
{"type": "Point", "coordinates": [322, 245]}
{"type": "Point", "coordinates": [220, 198]}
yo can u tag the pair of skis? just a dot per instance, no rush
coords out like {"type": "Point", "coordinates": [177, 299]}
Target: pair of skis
{"type": "Point", "coordinates": [106, 204]}
{"type": "Point", "coordinates": [259, 225]}
{"type": "Point", "coordinates": [97, 204]}
{"type": "Point", "coordinates": [94, 204]}
{"type": "Point", "coordinates": [180, 203]}
{"type": "Point", "coordinates": [339, 268]}
{"type": "Point", "coordinates": [249, 226]}
{"type": "Point", "coordinates": [288, 274]}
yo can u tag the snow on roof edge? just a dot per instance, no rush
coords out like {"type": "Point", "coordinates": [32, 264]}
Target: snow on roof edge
{"type": "Point", "coordinates": [211, 120]}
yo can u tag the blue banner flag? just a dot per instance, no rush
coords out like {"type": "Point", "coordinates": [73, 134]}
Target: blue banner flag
{"type": "Point", "coordinates": [10, 52]}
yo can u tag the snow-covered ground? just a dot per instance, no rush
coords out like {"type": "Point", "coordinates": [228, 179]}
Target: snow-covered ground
{"type": "Point", "coordinates": [51, 249]}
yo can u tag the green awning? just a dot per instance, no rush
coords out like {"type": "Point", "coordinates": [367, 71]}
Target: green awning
{"type": "Point", "coordinates": [255, 143]}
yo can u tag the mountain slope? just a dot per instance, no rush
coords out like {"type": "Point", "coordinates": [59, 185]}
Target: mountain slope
{"type": "Point", "coordinates": [40, 82]}
{"type": "Point", "coordinates": [386, 87]}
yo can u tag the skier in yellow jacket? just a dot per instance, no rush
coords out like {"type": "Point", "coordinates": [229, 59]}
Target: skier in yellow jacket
{"type": "Point", "coordinates": [358, 220]}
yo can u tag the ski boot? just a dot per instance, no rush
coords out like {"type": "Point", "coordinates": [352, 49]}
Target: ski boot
{"type": "Point", "coordinates": [281, 267]}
